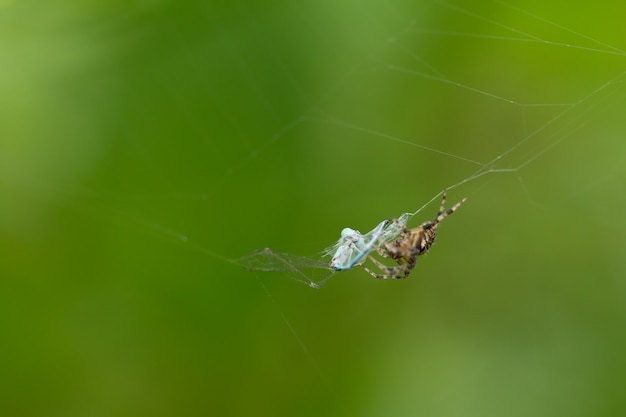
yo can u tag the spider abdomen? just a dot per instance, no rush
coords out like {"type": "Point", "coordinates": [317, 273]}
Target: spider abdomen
{"type": "Point", "coordinates": [422, 240]}
{"type": "Point", "coordinates": [425, 240]}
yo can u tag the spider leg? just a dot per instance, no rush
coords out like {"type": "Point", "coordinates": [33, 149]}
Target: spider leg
{"type": "Point", "coordinates": [382, 249]}
{"type": "Point", "coordinates": [443, 214]}
{"type": "Point", "coordinates": [390, 272]}
{"type": "Point", "coordinates": [442, 205]}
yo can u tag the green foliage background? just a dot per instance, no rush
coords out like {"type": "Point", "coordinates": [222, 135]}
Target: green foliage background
{"type": "Point", "coordinates": [145, 144]}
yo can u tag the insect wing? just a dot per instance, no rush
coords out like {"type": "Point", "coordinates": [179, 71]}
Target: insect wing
{"type": "Point", "coordinates": [394, 229]}
{"type": "Point", "coordinates": [268, 260]}
{"type": "Point", "coordinates": [293, 265]}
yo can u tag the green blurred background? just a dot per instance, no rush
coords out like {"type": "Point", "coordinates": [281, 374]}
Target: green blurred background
{"type": "Point", "coordinates": [144, 144]}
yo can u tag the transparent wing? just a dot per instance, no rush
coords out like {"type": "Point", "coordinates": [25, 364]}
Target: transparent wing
{"type": "Point", "coordinates": [393, 230]}
{"type": "Point", "coordinates": [267, 260]}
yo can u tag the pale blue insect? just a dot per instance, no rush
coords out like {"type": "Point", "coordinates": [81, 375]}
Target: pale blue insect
{"type": "Point", "coordinates": [353, 247]}
{"type": "Point", "coordinates": [350, 250]}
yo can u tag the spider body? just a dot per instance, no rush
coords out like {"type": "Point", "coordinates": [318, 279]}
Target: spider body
{"type": "Point", "coordinates": [410, 244]}
{"type": "Point", "coordinates": [413, 242]}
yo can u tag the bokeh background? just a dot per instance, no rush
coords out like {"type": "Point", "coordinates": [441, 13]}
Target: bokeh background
{"type": "Point", "coordinates": [145, 145]}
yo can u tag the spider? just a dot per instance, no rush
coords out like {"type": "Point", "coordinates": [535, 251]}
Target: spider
{"type": "Point", "coordinates": [410, 244]}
